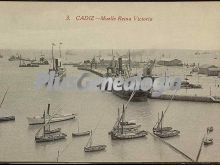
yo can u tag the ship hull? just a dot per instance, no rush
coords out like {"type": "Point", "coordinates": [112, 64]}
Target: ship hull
{"type": "Point", "coordinates": [50, 138]}
{"type": "Point", "coordinates": [95, 148]}
{"type": "Point", "coordinates": [7, 118]}
{"type": "Point", "coordinates": [40, 120]}
{"type": "Point", "coordinates": [139, 96]}
{"type": "Point", "coordinates": [81, 133]}
{"type": "Point", "coordinates": [128, 135]}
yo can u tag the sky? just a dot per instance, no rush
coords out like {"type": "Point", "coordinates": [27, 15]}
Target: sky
{"type": "Point", "coordinates": [174, 25]}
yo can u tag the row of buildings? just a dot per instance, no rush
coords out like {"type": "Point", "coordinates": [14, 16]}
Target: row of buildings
{"type": "Point", "coordinates": [209, 70]}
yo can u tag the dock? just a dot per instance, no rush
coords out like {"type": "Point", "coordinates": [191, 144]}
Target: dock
{"type": "Point", "coordinates": [91, 70]}
{"type": "Point", "coordinates": [171, 146]}
{"type": "Point", "coordinates": [195, 98]}
{"type": "Point", "coordinates": [208, 99]}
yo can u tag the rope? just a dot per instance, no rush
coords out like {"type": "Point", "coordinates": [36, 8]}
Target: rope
{"type": "Point", "coordinates": [166, 109]}
{"type": "Point", "coordinates": [4, 97]}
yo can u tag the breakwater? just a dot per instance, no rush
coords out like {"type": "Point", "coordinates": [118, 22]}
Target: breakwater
{"type": "Point", "coordinates": [208, 99]}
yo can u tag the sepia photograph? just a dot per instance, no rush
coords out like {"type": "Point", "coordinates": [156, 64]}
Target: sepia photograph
{"type": "Point", "coordinates": [109, 82]}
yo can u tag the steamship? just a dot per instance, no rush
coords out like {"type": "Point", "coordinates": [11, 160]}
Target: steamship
{"type": "Point", "coordinates": [116, 68]}
{"type": "Point", "coordinates": [57, 69]}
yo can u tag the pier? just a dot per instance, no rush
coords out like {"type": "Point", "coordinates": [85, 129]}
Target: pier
{"type": "Point", "coordinates": [171, 146]}
{"type": "Point", "coordinates": [195, 98]}
{"type": "Point", "coordinates": [208, 99]}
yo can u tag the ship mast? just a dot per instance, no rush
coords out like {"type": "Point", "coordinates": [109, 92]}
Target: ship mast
{"type": "Point", "coordinates": [52, 55]}
{"type": "Point", "coordinates": [60, 48]}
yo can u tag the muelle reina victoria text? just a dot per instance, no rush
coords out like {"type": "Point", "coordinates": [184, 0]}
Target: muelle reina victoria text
{"type": "Point", "coordinates": [109, 18]}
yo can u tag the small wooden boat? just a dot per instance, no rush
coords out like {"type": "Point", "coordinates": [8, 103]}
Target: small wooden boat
{"type": "Point", "coordinates": [208, 141]}
{"type": "Point", "coordinates": [7, 118]}
{"type": "Point", "coordinates": [49, 138]}
{"type": "Point", "coordinates": [93, 148]}
{"type": "Point", "coordinates": [209, 129]}
{"type": "Point", "coordinates": [80, 133]}
{"type": "Point", "coordinates": [129, 135]}
{"type": "Point", "coordinates": [166, 134]}
{"type": "Point", "coordinates": [118, 131]}
{"type": "Point", "coordinates": [50, 131]}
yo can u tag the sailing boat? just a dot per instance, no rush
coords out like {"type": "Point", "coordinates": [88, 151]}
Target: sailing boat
{"type": "Point", "coordinates": [48, 130]}
{"type": "Point", "coordinates": [5, 118]}
{"type": "Point", "coordinates": [52, 135]}
{"type": "Point", "coordinates": [120, 131]}
{"type": "Point", "coordinates": [164, 132]}
{"type": "Point", "coordinates": [80, 133]}
{"type": "Point", "coordinates": [92, 148]}
{"type": "Point", "coordinates": [207, 140]}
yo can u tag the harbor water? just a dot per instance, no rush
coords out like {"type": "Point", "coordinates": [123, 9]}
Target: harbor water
{"type": "Point", "coordinates": [97, 111]}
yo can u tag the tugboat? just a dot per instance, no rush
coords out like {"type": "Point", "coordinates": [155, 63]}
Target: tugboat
{"type": "Point", "coordinates": [49, 135]}
{"type": "Point", "coordinates": [5, 118]}
{"type": "Point", "coordinates": [56, 118]}
{"type": "Point", "coordinates": [85, 133]}
{"type": "Point", "coordinates": [93, 148]}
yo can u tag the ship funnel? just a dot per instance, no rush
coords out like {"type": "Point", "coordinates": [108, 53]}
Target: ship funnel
{"type": "Point", "coordinates": [120, 64]}
{"type": "Point", "coordinates": [48, 109]}
{"type": "Point", "coordinates": [56, 64]}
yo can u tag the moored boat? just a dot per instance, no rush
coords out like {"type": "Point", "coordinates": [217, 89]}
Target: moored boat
{"type": "Point", "coordinates": [56, 118]}
{"type": "Point", "coordinates": [48, 138]}
{"type": "Point", "coordinates": [208, 141]}
{"type": "Point", "coordinates": [48, 134]}
{"type": "Point", "coordinates": [164, 132]}
{"type": "Point", "coordinates": [49, 131]}
{"type": "Point", "coordinates": [78, 133]}
{"type": "Point", "coordinates": [93, 148]}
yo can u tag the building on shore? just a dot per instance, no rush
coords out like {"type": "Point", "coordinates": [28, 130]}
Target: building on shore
{"type": "Point", "coordinates": [203, 69]}
{"type": "Point", "coordinates": [170, 62]}
{"type": "Point", "coordinates": [213, 71]}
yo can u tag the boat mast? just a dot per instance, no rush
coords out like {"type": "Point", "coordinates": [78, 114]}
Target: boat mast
{"type": "Point", "coordinates": [123, 116]}
{"type": "Point", "coordinates": [161, 121]}
{"type": "Point", "coordinates": [44, 125]}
